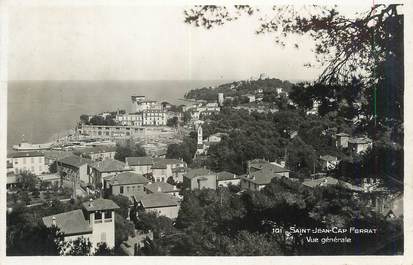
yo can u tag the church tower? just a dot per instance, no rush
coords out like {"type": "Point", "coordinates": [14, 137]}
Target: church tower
{"type": "Point", "coordinates": [200, 142]}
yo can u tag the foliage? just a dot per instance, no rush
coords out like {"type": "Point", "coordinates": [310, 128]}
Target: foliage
{"type": "Point", "coordinates": [28, 181]}
{"type": "Point", "coordinates": [109, 120]}
{"type": "Point", "coordinates": [128, 149]}
{"type": "Point", "coordinates": [172, 122]}
{"type": "Point", "coordinates": [29, 237]}
{"type": "Point", "coordinates": [25, 197]}
{"type": "Point", "coordinates": [53, 167]}
{"type": "Point", "coordinates": [123, 229]}
{"type": "Point", "coordinates": [185, 150]}
{"type": "Point", "coordinates": [367, 47]}
{"type": "Point", "coordinates": [81, 246]}
{"type": "Point", "coordinates": [103, 250]}
{"type": "Point", "coordinates": [381, 162]}
{"type": "Point", "coordinates": [123, 203]}
{"type": "Point", "coordinates": [151, 221]}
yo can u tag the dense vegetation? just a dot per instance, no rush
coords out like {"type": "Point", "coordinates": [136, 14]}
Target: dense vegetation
{"type": "Point", "coordinates": [238, 88]}
{"type": "Point", "coordinates": [255, 223]}
{"type": "Point", "coordinates": [128, 148]}
{"type": "Point", "coordinates": [259, 135]}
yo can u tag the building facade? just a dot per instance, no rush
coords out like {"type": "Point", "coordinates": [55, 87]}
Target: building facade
{"type": "Point", "coordinates": [74, 169]}
{"type": "Point", "coordinates": [101, 169]}
{"type": "Point", "coordinates": [97, 153]}
{"type": "Point", "coordinates": [154, 117]}
{"type": "Point", "coordinates": [110, 132]}
{"type": "Point", "coordinates": [30, 161]}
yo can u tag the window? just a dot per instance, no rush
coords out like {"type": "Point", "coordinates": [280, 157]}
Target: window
{"type": "Point", "coordinates": [127, 189]}
{"type": "Point", "coordinates": [98, 217]}
{"type": "Point", "coordinates": [121, 189]}
{"type": "Point", "coordinates": [108, 216]}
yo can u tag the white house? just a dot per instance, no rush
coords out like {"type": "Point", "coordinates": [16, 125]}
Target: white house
{"type": "Point", "coordinates": [359, 144]}
{"type": "Point", "coordinates": [162, 187]}
{"type": "Point", "coordinates": [95, 221]}
{"type": "Point", "coordinates": [328, 162]}
{"type": "Point", "coordinates": [225, 178]}
{"type": "Point", "coordinates": [160, 203]}
{"type": "Point", "coordinates": [31, 161]}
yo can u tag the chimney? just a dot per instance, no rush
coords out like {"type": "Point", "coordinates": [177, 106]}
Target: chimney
{"type": "Point", "coordinates": [54, 221]}
{"type": "Point", "coordinates": [159, 189]}
{"type": "Point", "coordinates": [174, 187]}
{"type": "Point", "coordinates": [90, 202]}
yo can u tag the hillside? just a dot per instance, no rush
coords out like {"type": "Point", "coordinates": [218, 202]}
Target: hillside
{"type": "Point", "coordinates": [238, 88]}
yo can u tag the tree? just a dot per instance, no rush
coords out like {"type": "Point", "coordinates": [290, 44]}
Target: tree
{"type": "Point", "coordinates": [84, 118]}
{"type": "Point", "coordinates": [28, 181]}
{"type": "Point", "coordinates": [103, 250]}
{"type": "Point", "coordinates": [81, 246]}
{"type": "Point", "coordinates": [123, 203]}
{"type": "Point", "coordinates": [185, 150]}
{"type": "Point", "coordinates": [32, 239]}
{"type": "Point", "coordinates": [128, 149]}
{"type": "Point", "coordinates": [53, 167]}
{"type": "Point", "coordinates": [159, 225]}
{"type": "Point", "coordinates": [172, 122]}
{"type": "Point", "coordinates": [367, 46]}
{"type": "Point", "coordinates": [123, 229]}
{"type": "Point", "coordinates": [25, 197]}
{"type": "Point", "coordinates": [186, 117]}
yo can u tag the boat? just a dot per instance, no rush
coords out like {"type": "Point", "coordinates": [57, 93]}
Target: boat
{"type": "Point", "coordinates": [24, 146]}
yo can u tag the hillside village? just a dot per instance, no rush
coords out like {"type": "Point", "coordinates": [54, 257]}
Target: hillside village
{"type": "Point", "coordinates": [132, 183]}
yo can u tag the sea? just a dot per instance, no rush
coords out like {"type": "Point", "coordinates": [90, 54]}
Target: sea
{"type": "Point", "coordinates": [40, 111]}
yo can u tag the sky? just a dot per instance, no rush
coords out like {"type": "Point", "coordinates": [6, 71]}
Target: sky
{"type": "Point", "coordinates": [142, 43]}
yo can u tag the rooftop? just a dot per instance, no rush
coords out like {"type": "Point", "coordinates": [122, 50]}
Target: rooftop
{"type": "Point", "coordinates": [100, 205]}
{"type": "Point", "coordinates": [360, 140]}
{"type": "Point", "coordinates": [126, 178]}
{"type": "Point", "coordinates": [328, 158]}
{"type": "Point", "coordinates": [160, 187]}
{"type": "Point", "coordinates": [325, 181]}
{"type": "Point", "coordinates": [162, 163]}
{"type": "Point", "coordinates": [109, 165]}
{"type": "Point", "coordinates": [225, 175]}
{"type": "Point", "coordinates": [74, 161]}
{"type": "Point", "coordinates": [155, 162]}
{"type": "Point", "coordinates": [196, 172]}
{"type": "Point", "coordinates": [261, 177]}
{"type": "Point", "coordinates": [56, 154]}
{"type": "Point", "coordinates": [95, 150]}
{"type": "Point", "coordinates": [262, 164]}
{"type": "Point", "coordinates": [139, 161]}
{"type": "Point", "coordinates": [342, 134]}
{"type": "Point", "coordinates": [158, 199]}
{"type": "Point", "coordinates": [25, 154]}
{"type": "Point", "coordinates": [69, 223]}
